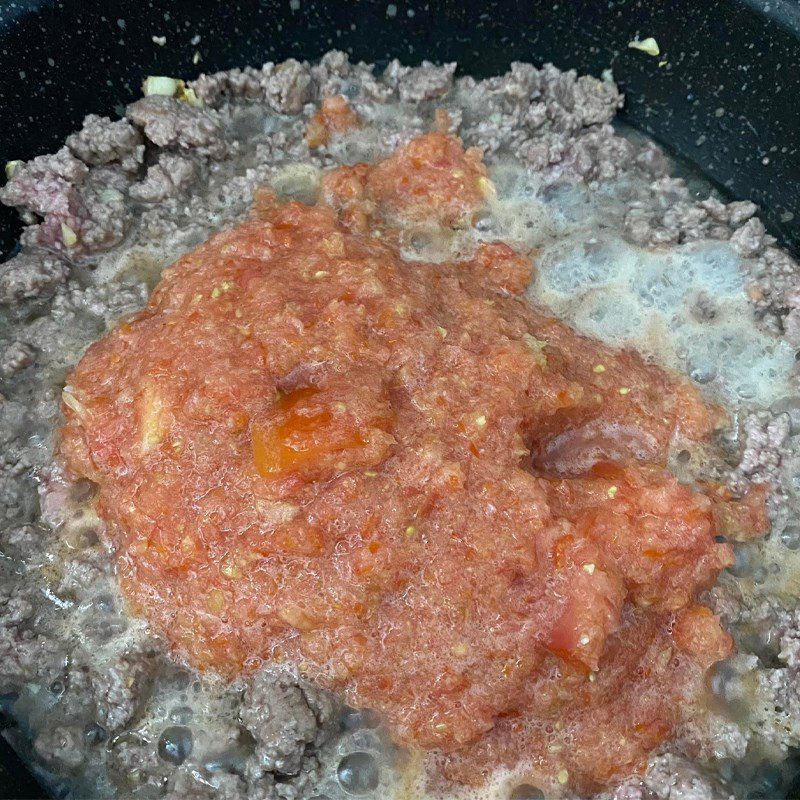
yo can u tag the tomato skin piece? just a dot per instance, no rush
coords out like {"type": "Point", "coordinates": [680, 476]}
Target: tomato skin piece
{"type": "Point", "coordinates": [307, 435]}
{"type": "Point", "coordinates": [334, 118]}
{"type": "Point", "coordinates": [594, 601]}
{"type": "Point", "coordinates": [697, 632]}
{"type": "Point", "coordinates": [503, 267]}
{"type": "Point", "coordinates": [299, 433]}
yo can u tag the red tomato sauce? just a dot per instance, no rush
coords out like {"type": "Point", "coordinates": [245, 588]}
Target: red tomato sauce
{"type": "Point", "coordinates": [400, 476]}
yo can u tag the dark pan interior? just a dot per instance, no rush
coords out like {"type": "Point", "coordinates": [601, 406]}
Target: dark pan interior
{"type": "Point", "coordinates": [723, 94]}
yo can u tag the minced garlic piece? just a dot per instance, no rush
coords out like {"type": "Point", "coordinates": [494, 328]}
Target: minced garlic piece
{"type": "Point", "coordinates": [589, 568]}
{"type": "Point", "coordinates": [163, 86]}
{"type": "Point", "coordinates": [188, 95]}
{"type": "Point", "coordinates": [72, 402]}
{"type": "Point", "coordinates": [623, 390]}
{"type": "Point", "coordinates": [68, 236]}
{"type": "Point", "coordinates": [487, 188]}
{"type": "Point", "coordinates": [598, 368]}
{"type": "Point", "coordinates": [648, 45]}
{"type": "Point", "coordinates": [159, 85]}
{"type": "Point", "coordinates": [216, 600]}
{"type": "Point", "coordinates": [612, 491]}
{"type": "Point", "coordinates": [230, 570]}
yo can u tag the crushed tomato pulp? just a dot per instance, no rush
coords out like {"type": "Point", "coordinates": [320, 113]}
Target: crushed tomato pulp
{"type": "Point", "coordinates": [439, 500]}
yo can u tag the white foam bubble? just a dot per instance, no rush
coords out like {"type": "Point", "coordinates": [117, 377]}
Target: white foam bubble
{"type": "Point", "coordinates": [685, 307]}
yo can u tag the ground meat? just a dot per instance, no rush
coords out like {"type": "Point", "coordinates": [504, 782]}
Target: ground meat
{"type": "Point", "coordinates": [285, 719]}
{"type": "Point", "coordinates": [120, 688]}
{"type": "Point", "coordinates": [106, 221]}
{"type": "Point", "coordinates": [671, 216]}
{"type": "Point", "coordinates": [597, 155]}
{"type": "Point", "coordinates": [720, 737]}
{"type": "Point", "coordinates": [776, 710]}
{"type": "Point", "coordinates": [16, 607]}
{"type": "Point", "coordinates": [776, 284]}
{"type": "Point", "coordinates": [213, 89]}
{"type": "Point", "coordinates": [21, 539]}
{"type": "Point", "coordinates": [336, 75]}
{"type": "Point", "coordinates": [61, 747]}
{"type": "Point", "coordinates": [16, 505]}
{"type": "Point", "coordinates": [82, 573]}
{"type": "Point", "coordinates": [46, 188]}
{"type": "Point", "coordinates": [763, 689]}
{"type": "Point", "coordinates": [534, 113]}
{"type": "Point", "coordinates": [168, 122]}
{"type": "Point", "coordinates": [517, 86]}
{"type": "Point", "coordinates": [136, 769]}
{"type": "Point", "coordinates": [548, 99]}
{"type": "Point", "coordinates": [791, 323]}
{"type": "Point", "coordinates": [425, 82]}
{"type": "Point", "coordinates": [574, 102]}
{"type": "Point", "coordinates": [169, 177]}
{"type": "Point", "coordinates": [102, 141]}
{"type": "Point", "coordinates": [25, 653]}
{"type": "Point", "coordinates": [285, 87]}
{"type": "Point", "coordinates": [223, 786]}
{"type": "Point", "coordinates": [31, 275]}
{"type": "Point", "coordinates": [45, 184]}
{"type": "Point", "coordinates": [670, 777]}
{"type": "Point", "coordinates": [15, 357]}
{"type": "Point", "coordinates": [749, 240]}
{"type": "Point", "coordinates": [764, 437]}
{"type": "Point", "coordinates": [103, 302]}
{"type": "Point", "coordinates": [73, 221]}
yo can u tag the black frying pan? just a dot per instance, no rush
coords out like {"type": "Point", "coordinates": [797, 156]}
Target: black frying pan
{"type": "Point", "coordinates": [724, 93]}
